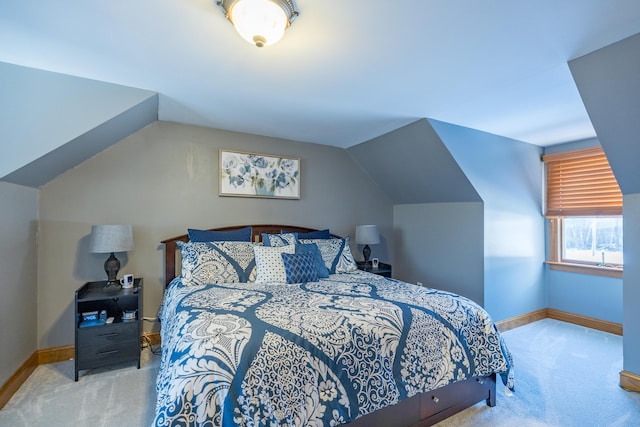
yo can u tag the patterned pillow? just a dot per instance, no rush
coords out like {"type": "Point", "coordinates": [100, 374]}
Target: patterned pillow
{"type": "Point", "coordinates": [217, 262]}
{"type": "Point", "coordinates": [336, 254]}
{"type": "Point", "coordinates": [240, 235]}
{"type": "Point", "coordinates": [300, 268]}
{"type": "Point", "coordinates": [312, 249]}
{"type": "Point", "coordinates": [269, 264]}
{"type": "Point", "coordinates": [283, 239]}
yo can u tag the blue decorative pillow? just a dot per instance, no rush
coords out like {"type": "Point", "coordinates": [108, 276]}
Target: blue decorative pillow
{"type": "Point", "coordinates": [240, 235]}
{"type": "Point", "coordinates": [319, 234]}
{"type": "Point", "coordinates": [300, 268]}
{"type": "Point", "coordinates": [336, 254]}
{"type": "Point", "coordinates": [312, 249]}
{"type": "Point", "coordinates": [217, 262]}
{"type": "Point", "coordinates": [283, 239]}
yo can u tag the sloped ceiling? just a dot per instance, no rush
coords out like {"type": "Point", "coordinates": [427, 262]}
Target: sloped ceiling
{"type": "Point", "coordinates": [52, 122]}
{"type": "Point", "coordinates": [609, 83]}
{"type": "Point", "coordinates": [412, 165]}
{"type": "Point", "coordinates": [343, 74]}
{"type": "Point", "coordinates": [67, 156]}
{"type": "Point", "coordinates": [345, 71]}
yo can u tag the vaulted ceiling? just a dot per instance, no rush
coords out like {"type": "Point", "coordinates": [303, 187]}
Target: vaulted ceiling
{"type": "Point", "coordinates": [344, 73]}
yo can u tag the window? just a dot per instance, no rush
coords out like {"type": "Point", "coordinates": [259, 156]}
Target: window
{"type": "Point", "coordinates": [592, 239]}
{"type": "Point", "coordinates": [584, 208]}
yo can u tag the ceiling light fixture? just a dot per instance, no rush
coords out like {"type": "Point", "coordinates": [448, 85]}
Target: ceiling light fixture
{"type": "Point", "coordinates": [260, 22]}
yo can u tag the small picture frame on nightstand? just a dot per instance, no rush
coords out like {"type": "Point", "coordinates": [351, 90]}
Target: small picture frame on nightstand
{"type": "Point", "coordinates": [375, 262]}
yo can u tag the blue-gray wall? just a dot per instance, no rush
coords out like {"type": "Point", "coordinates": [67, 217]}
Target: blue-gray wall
{"type": "Point", "coordinates": [631, 292]}
{"type": "Point", "coordinates": [18, 276]}
{"type": "Point", "coordinates": [438, 214]}
{"type": "Point", "coordinates": [441, 246]}
{"type": "Point", "coordinates": [468, 212]}
{"type": "Point", "coordinates": [609, 83]}
{"type": "Point", "coordinates": [507, 174]}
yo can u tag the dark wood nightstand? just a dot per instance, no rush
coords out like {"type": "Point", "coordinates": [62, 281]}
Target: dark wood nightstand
{"type": "Point", "coordinates": [382, 270]}
{"type": "Point", "coordinates": [110, 343]}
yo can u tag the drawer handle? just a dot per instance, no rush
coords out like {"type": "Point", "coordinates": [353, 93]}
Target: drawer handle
{"type": "Point", "coordinates": [108, 352]}
{"type": "Point", "coordinates": [435, 399]}
{"type": "Point", "coordinates": [113, 334]}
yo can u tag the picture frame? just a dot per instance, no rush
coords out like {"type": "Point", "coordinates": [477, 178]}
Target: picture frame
{"type": "Point", "coordinates": [247, 174]}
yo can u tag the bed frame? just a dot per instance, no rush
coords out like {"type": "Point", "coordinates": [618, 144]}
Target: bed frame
{"type": "Point", "coordinates": [418, 411]}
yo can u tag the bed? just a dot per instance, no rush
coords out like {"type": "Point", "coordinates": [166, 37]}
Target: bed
{"type": "Point", "coordinates": [240, 346]}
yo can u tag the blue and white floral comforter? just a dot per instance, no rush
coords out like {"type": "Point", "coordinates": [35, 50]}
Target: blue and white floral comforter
{"type": "Point", "coordinates": [316, 354]}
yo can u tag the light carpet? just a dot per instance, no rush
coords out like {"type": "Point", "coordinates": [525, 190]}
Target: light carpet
{"type": "Point", "coordinates": [566, 375]}
{"type": "Point", "coordinates": [115, 397]}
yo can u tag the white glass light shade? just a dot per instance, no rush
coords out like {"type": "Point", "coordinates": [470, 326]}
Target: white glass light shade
{"type": "Point", "coordinates": [260, 22]}
{"type": "Point", "coordinates": [367, 235]}
{"type": "Point", "coordinates": [111, 238]}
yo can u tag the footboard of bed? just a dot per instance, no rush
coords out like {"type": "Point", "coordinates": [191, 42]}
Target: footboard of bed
{"type": "Point", "coordinates": [429, 408]}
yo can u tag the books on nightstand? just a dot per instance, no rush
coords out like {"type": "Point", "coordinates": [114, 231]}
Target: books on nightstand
{"type": "Point", "coordinates": [92, 318]}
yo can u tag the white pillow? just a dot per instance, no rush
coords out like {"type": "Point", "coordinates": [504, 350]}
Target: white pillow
{"type": "Point", "coordinates": [269, 264]}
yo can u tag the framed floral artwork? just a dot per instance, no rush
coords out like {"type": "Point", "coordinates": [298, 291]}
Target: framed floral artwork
{"type": "Point", "coordinates": [259, 175]}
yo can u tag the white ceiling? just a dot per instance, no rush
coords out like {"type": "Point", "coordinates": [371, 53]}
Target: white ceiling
{"type": "Point", "coordinates": [345, 71]}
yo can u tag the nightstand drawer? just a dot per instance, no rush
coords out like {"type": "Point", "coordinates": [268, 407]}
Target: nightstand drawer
{"type": "Point", "coordinates": [108, 353]}
{"type": "Point", "coordinates": [101, 335]}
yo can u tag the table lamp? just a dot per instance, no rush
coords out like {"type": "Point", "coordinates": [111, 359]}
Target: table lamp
{"type": "Point", "coordinates": [367, 235]}
{"type": "Point", "coordinates": [111, 239]}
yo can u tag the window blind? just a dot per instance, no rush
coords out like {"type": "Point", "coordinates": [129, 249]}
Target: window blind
{"type": "Point", "coordinates": [581, 183]}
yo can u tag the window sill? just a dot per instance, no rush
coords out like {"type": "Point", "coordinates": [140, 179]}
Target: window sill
{"type": "Point", "coordinates": [586, 269]}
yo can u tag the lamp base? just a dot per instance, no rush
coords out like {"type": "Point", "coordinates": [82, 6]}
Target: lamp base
{"type": "Point", "coordinates": [366, 251]}
{"type": "Point", "coordinates": [112, 285]}
{"type": "Point", "coordinates": [111, 267]}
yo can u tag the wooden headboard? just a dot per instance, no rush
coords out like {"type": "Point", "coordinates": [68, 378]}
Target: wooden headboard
{"type": "Point", "coordinates": [170, 245]}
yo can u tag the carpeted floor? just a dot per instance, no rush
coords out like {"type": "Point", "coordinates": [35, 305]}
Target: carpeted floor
{"type": "Point", "coordinates": [116, 397]}
{"type": "Point", "coordinates": [566, 375]}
